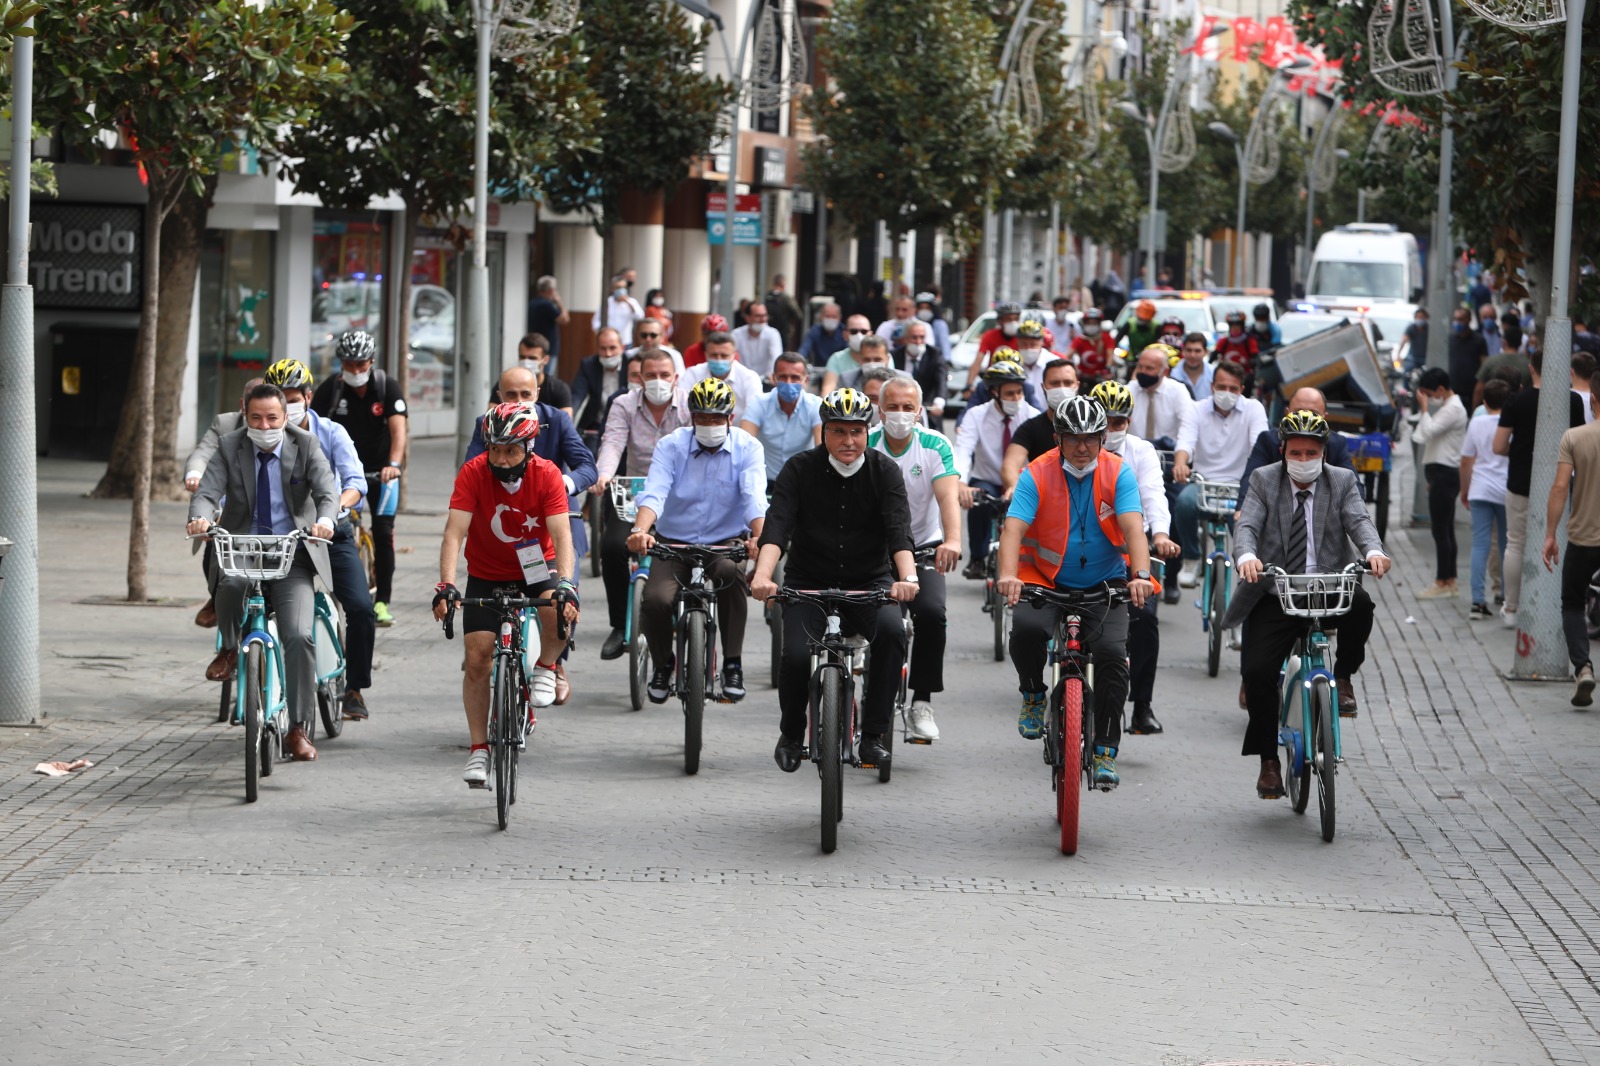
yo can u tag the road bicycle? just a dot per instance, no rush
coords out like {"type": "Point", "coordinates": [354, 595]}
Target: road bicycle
{"type": "Point", "coordinates": [695, 677]}
{"type": "Point", "coordinates": [833, 711]}
{"type": "Point", "coordinates": [388, 503]}
{"type": "Point", "coordinates": [902, 695]}
{"type": "Point", "coordinates": [1069, 724]}
{"type": "Point", "coordinates": [256, 692]}
{"type": "Point", "coordinates": [511, 717]}
{"type": "Point", "coordinates": [624, 491]}
{"type": "Point", "coordinates": [1313, 749]}
{"type": "Point", "coordinates": [994, 605]}
{"type": "Point", "coordinates": [1218, 502]}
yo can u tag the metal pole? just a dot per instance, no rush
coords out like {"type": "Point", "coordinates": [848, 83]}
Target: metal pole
{"type": "Point", "coordinates": [1007, 220]}
{"type": "Point", "coordinates": [472, 387]}
{"type": "Point", "coordinates": [19, 501]}
{"type": "Point", "coordinates": [1053, 257]}
{"type": "Point", "coordinates": [1150, 222]}
{"type": "Point", "coordinates": [1361, 205]}
{"type": "Point", "coordinates": [1441, 290]}
{"type": "Point", "coordinates": [1238, 224]}
{"type": "Point", "coordinates": [991, 288]}
{"type": "Point", "coordinates": [1540, 647]}
{"type": "Point", "coordinates": [732, 189]}
{"type": "Point", "coordinates": [1311, 189]}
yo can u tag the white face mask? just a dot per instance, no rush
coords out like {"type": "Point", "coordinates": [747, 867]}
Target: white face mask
{"type": "Point", "coordinates": [849, 469]}
{"type": "Point", "coordinates": [355, 381]}
{"type": "Point", "coordinates": [711, 436]}
{"type": "Point", "coordinates": [297, 413]}
{"type": "Point", "coordinates": [658, 302]}
{"type": "Point", "coordinates": [925, 314]}
{"type": "Point", "coordinates": [1114, 439]}
{"type": "Point", "coordinates": [1080, 474]}
{"type": "Point", "coordinates": [898, 424]}
{"type": "Point", "coordinates": [915, 351]}
{"type": "Point", "coordinates": [635, 386]}
{"type": "Point", "coordinates": [1091, 329]}
{"type": "Point", "coordinates": [1304, 471]}
{"type": "Point", "coordinates": [1055, 397]}
{"type": "Point", "coordinates": [830, 324]}
{"type": "Point", "coordinates": [855, 341]}
{"type": "Point", "coordinates": [657, 391]}
{"type": "Point", "coordinates": [1225, 401]}
{"type": "Point", "coordinates": [1010, 407]}
{"type": "Point", "coordinates": [266, 439]}
{"type": "Point", "coordinates": [611, 362]}
{"type": "Point", "coordinates": [1009, 329]}
{"type": "Point", "coordinates": [1031, 356]}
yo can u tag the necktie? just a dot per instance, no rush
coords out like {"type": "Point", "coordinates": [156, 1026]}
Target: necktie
{"type": "Point", "coordinates": [1005, 436]}
{"type": "Point", "coordinates": [1297, 534]}
{"type": "Point", "coordinates": [1149, 415]}
{"type": "Point", "coordinates": [263, 494]}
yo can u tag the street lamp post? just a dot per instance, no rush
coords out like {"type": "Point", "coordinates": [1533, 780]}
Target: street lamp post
{"type": "Point", "coordinates": [1148, 234]}
{"type": "Point", "coordinates": [473, 382]}
{"type": "Point", "coordinates": [1227, 133]}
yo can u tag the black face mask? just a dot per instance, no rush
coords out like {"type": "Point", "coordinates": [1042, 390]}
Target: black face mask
{"type": "Point", "coordinates": [1147, 381]}
{"type": "Point", "coordinates": [509, 474]}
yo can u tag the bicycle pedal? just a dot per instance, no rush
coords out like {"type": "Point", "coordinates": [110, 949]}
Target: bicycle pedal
{"type": "Point", "coordinates": [918, 740]}
{"type": "Point", "coordinates": [480, 785]}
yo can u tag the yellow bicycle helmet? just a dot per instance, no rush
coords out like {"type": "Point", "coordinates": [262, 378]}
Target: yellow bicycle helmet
{"type": "Point", "coordinates": [290, 374]}
{"type": "Point", "coordinates": [1303, 424]}
{"type": "Point", "coordinates": [1168, 352]}
{"type": "Point", "coordinates": [1115, 397]}
{"type": "Point", "coordinates": [711, 397]}
{"type": "Point", "coordinates": [1005, 365]}
{"type": "Point", "coordinates": [846, 405]}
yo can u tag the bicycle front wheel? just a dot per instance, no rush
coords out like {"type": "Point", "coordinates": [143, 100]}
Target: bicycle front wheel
{"type": "Point", "coordinates": [1214, 608]}
{"type": "Point", "coordinates": [775, 625]}
{"type": "Point", "coordinates": [254, 737]}
{"type": "Point", "coordinates": [695, 668]}
{"type": "Point", "coordinates": [638, 648]}
{"type": "Point", "coordinates": [1323, 762]}
{"type": "Point", "coordinates": [1070, 755]}
{"type": "Point", "coordinates": [830, 754]}
{"type": "Point", "coordinates": [503, 741]}
{"type": "Point", "coordinates": [1291, 721]}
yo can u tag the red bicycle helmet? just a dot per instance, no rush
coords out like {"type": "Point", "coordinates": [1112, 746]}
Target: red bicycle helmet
{"type": "Point", "coordinates": [511, 423]}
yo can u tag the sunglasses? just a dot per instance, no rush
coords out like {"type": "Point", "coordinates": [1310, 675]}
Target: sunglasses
{"type": "Point", "coordinates": [858, 332]}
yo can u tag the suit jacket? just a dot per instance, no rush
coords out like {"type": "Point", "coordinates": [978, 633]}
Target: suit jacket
{"type": "Point", "coordinates": [225, 423]}
{"type": "Point", "coordinates": [558, 441]}
{"type": "Point", "coordinates": [588, 397]}
{"type": "Point", "coordinates": [1338, 516]}
{"type": "Point", "coordinates": [308, 486]}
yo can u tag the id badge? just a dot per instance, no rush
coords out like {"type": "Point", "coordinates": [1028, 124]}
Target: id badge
{"type": "Point", "coordinates": [534, 569]}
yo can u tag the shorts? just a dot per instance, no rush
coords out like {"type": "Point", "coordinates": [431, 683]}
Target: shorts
{"type": "Point", "coordinates": [477, 619]}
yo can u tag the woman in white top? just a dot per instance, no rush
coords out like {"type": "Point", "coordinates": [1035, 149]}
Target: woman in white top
{"type": "Point", "coordinates": [1440, 431]}
{"type": "Point", "coordinates": [1483, 491]}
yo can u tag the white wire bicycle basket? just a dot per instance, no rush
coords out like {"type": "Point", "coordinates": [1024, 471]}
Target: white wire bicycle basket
{"type": "Point", "coordinates": [254, 557]}
{"type": "Point", "coordinates": [624, 493]}
{"type": "Point", "coordinates": [1219, 498]}
{"type": "Point", "coordinates": [1316, 595]}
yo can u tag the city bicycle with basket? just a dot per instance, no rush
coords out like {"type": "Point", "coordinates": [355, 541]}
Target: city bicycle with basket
{"type": "Point", "coordinates": [624, 491]}
{"type": "Point", "coordinates": [994, 604]}
{"type": "Point", "coordinates": [1218, 502]}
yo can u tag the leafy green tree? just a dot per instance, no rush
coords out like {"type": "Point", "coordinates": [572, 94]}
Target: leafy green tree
{"type": "Point", "coordinates": [176, 77]}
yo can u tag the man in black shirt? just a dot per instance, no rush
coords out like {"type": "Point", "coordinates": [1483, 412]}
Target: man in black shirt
{"type": "Point", "coordinates": [1514, 439]}
{"type": "Point", "coordinates": [369, 404]}
{"type": "Point", "coordinates": [840, 512]}
{"type": "Point", "coordinates": [1467, 353]}
{"type": "Point", "coordinates": [533, 353]}
{"type": "Point", "coordinates": [546, 316]}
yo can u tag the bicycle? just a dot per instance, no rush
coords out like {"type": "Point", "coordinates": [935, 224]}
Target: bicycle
{"type": "Point", "coordinates": [694, 626]}
{"type": "Point", "coordinates": [1070, 726]}
{"type": "Point", "coordinates": [832, 726]}
{"type": "Point", "coordinates": [1218, 502]}
{"type": "Point", "coordinates": [593, 512]}
{"type": "Point", "coordinates": [511, 717]}
{"type": "Point", "coordinates": [1314, 748]}
{"type": "Point", "coordinates": [256, 691]}
{"type": "Point", "coordinates": [902, 696]}
{"type": "Point", "coordinates": [388, 504]}
{"type": "Point", "coordinates": [623, 492]}
{"type": "Point", "coordinates": [997, 609]}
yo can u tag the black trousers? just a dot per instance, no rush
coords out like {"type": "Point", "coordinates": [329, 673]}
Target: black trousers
{"type": "Point", "coordinates": [382, 543]}
{"type": "Point", "coordinates": [1104, 633]}
{"type": "Point", "coordinates": [1444, 488]}
{"type": "Point", "coordinates": [350, 589]}
{"type": "Point", "coordinates": [667, 576]}
{"type": "Point", "coordinates": [1268, 641]}
{"type": "Point", "coordinates": [804, 623]}
{"type": "Point", "coordinates": [614, 562]}
{"type": "Point", "coordinates": [928, 616]}
{"type": "Point", "coordinates": [1144, 649]}
{"type": "Point", "coordinates": [1577, 567]}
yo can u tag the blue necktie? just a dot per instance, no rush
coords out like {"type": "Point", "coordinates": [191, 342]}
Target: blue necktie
{"type": "Point", "coordinates": [263, 494]}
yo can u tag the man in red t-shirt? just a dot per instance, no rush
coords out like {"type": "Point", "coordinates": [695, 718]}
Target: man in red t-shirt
{"type": "Point", "coordinates": [695, 354]}
{"type": "Point", "coordinates": [1094, 349]}
{"type": "Point", "coordinates": [510, 508]}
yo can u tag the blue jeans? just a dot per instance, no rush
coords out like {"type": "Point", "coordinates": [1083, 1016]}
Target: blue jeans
{"type": "Point", "coordinates": [1486, 517]}
{"type": "Point", "coordinates": [1186, 522]}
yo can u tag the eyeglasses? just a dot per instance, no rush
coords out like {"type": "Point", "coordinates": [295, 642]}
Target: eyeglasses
{"type": "Point", "coordinates": [858, 332]}
{"type": "Point", "coordinates": [649, 336]}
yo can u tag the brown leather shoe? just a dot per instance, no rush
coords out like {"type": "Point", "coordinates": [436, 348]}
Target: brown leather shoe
{"type": "Point", "coordinates": [223, 665]}
{"type": "Point", "coordinates": [563, 686]}
{"type": "Point", "coordinates": [298, 745]}
{"type": "Point", "coordinates": [206, 616]}
{"type": "Point", "coordinates": [1347, 698]}
{"type": "Point", "coordinates": [1269, 786]}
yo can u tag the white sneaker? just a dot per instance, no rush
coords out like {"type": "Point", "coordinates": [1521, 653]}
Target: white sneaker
{"type": "Point", "coordinates": [1508, 618]}
{"type": "Point", "coordinates": [922, 723]}
{"type": "Point", "coordinates": [476, 775]}
{"type": "Point", "coordinates": [1188, 577]}
{"type": "Point", "coordinates": [542, 687]}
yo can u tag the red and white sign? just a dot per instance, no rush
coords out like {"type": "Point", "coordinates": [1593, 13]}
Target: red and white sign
{"type": "Point", "coordinates": [744, 204]}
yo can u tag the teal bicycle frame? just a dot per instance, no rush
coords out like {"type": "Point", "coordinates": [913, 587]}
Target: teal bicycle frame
{"type": "Point", "coordinates": [1218, 501]}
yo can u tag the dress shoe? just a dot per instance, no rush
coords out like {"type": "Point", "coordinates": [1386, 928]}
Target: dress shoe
{"type": "Point", "coordinates": [1171, 593]}
{"type": "Point", "coordinates": [615, 645]}
{"type": "Point", "coordinates": [1144, 723]}
{"type": "Point", "coordinates": [206, 616]}
{"type": "Point", "coordinates": [563, 686]}
{"type": "Point", "coordinates": [1269, 786]}
{"type": "Point", "coordinates": [223, 666]}
{"type": "Point", "coordinates": [1347, 697]}
{"type": "Point", "coordinates": [298, 745]}
{"type": "Point", "coordinates": [789, 754]}
{"type": "Point", "coordinates": [973, 571]}
{"type": "Point", "coordinates": [872, 752]}
{"type": "Point", "coordinates": [355, 708]}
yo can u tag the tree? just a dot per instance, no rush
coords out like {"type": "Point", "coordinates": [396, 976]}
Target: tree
{"type": "Point", "coordinates": [174, 78]}
{"type": "Point", "coordinates": [402, 122]}
{"type": "Point", "coordinates": [907, 136]}
{"type": "Point", "coordinates": [1042, 160]}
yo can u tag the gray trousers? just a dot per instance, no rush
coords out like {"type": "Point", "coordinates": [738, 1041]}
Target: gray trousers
{"type": "Point", "coordinates": [294, 606]}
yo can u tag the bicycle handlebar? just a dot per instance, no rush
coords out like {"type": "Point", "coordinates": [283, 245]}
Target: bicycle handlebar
{"type": "Point", "coordinates": [505, 604]}
{"type": "Point", "coordinates": [694, 552]}
{"type": "Point", "coordinates": [1105, 593]}
{"type": "Point", "coordinates": [1359, 567]}
{"type": "Point", "coordinates": [299, 534]}
{"type": "Point", "coordinates": [827, 598]}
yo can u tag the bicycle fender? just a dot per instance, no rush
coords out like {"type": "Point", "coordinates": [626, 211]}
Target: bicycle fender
{"type": "Point", "coordinates": [257, 636]}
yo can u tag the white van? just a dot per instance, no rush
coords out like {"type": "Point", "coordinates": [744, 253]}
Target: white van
{"type": "Point", "coordinates": [1363, 263]}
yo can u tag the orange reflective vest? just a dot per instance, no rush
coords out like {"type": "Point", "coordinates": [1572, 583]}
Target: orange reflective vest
{"type": "Point", "coordinates": [1045, 541]}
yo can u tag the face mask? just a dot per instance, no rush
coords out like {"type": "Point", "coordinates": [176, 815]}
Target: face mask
{"type": "Point", "coordinates": [1304, 471]}
{"type": "Point", "coordinates": [1114, 439]}
{"type": "Point", "coordinates": [1263, 327]}
{"type": "Point", "coordinates": [1091, 329]}
{"type": "Point", "coordinates": [898, 424]}
{"type": "Point", "coordinates": [788, 391]}
{"type": "Point", "coordinates": [611, 362]}
{"type": "Point", "coordinates": [658, 302]}
{"type": "Point", "coordinates": [1147, 381]}
{"type": "Point", "coordinates": [508, 474]}
{"type": "Point", "coordinates": [355, 381]}
{"type": "Point", "coordinates": [1080, 474]}
{"type": "Point", "coordinates": [1458, 327]}
{"type": "Point", "coordinates": [266, 439]}
{"type": "Point", "coordinates": [657, 391]}
{"type": "Point", "coordinates": [619, 292]}
{"type": "Point", "coordinates": [925, 314]}
{"type": "Point", "coordinates": [1009, 329]}
{"type": "Point", "coordinates": [710, 436]}
{"type": "Point", "coordinates": [635, 386]}
{"type": "Point", "coordinates": [1030, 357]}
{"type": "Point", "coordinates": [756, 328]}
{"type": "Point", "coordinates": [855, 342]}
{"type": "Point", "coordinates": [848, 469]}
{"type": "Point", "coordinates": [1055, 397]}
{"type": "Point", "coordinates": [1011, 407]}
{"type": "Point", "coordinates": [915, 351]}
{"type": "Point", "coordinates": [297, 413]}
{"type": "Point", "coordinates": [719, 368]}
{"type": "Point", "coordinates": [1225, 401]}
{"type": "Point", "coordinates": [831, 325]}
{"type": "Point", "coordinates": [535, 365]}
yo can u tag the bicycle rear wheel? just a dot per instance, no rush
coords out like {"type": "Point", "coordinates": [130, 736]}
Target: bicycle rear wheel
{"type": "Point", "coordinates": [254, 736]}
{"type": "Point", "coordinates": [1381, 506]}
{"type": "Point", "coordinates": [1070, 755]}
{"type": "Point", "coordinates": [503, 742]}
{"type": "Point", "coordinates": [638, 648]}
{"type": "Point", "coordinates": [830, 714]}
{"type": "Point", "coordinates": [1322, 760]}
{"type": "Point", "coordinates": [694, 667]}
{"type": "Point", "coordinates": [596, 511]}
{"type": "Point", "coordinates": [1214, 607]}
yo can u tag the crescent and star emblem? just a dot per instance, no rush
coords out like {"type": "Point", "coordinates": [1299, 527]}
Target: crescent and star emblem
{"type": "Point", "coordinates": [518, 520]}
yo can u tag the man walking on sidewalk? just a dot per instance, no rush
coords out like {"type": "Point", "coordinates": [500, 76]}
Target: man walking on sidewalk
{"type": "Point", "coordinates": [1577, 472]}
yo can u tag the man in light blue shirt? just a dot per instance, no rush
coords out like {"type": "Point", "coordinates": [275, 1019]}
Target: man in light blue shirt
{"type": "Point", "coordinates": [1192, 369]}
{"type": "Point", "coordinates": [707, 485]}
{"type": "Point", "coordinates": [786, 420]}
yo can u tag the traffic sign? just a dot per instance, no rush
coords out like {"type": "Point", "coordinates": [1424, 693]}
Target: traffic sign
{"type": "Point", "coordinates": [746, 219]}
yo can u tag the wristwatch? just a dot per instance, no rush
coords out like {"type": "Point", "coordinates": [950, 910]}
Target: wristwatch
{"type": "Point", "coordinates": [912, 580]}
{"type": "Point", "coordinates": [1142, 575]}
{"type": "Point", "coordinates": [638, 530]}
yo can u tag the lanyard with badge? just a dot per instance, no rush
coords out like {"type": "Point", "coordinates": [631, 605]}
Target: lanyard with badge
{"type": "Point", "coordinates": [530, 554]}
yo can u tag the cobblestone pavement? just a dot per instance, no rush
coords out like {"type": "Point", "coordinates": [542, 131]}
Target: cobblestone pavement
{"type": "Point", "coordinates": [366, 909]}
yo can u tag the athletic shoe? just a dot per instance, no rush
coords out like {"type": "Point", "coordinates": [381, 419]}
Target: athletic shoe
{"type": "Point", "coordinates": [1439, 592]}
{"type": "Point", "coordinates": [1105, 768]}
{"type": "Point", "coordinates": [381, 609]}
{"type": "Point", "coordinates": [355, 708]}
{"type": "Point", "coordinates": [476, 775]}
{"type": "Point", "coordinates": [1583, 693]}
{"type": "Point", "coordinates": [1030, 723]}
{"type": "Point", "coordinates": [1508, 618]}
{"type": "Point", "coordinates": [1479, 612]}
{"type": "Point", "coordinates": [1189, 576]}
{"type": "Point", "coordinates": [732, 682]}
{"type": "Point", "coordinates": [660, 687]}
{"type": "Point", "coordinates": [922, 723]}
{"type": "Point", "coordinates": [542, 686]}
